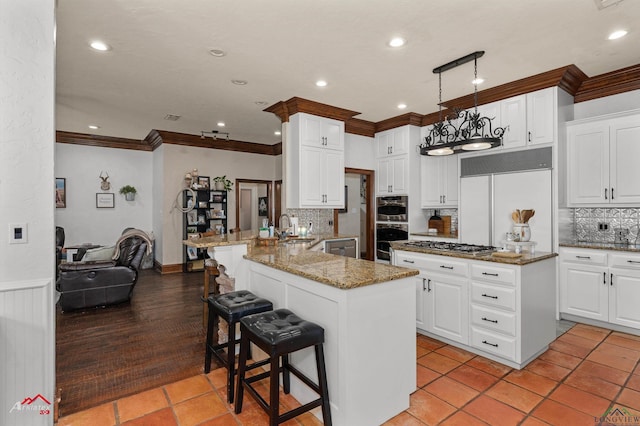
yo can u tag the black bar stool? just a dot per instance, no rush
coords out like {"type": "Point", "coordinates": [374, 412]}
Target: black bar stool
{"type": "Point", "coordinates": [280, 333]}
{"type": "Point", "coordinates": [230, 307]}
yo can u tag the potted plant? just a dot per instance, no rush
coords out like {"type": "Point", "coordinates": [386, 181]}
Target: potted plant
{"type": "Point", "coordinates": [222, 183]}
{"type": "Point", "coordinates": [129, 192]}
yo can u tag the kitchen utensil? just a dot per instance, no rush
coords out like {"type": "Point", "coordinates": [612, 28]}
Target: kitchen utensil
{"type": "Point", "coordinates": [514, 217]}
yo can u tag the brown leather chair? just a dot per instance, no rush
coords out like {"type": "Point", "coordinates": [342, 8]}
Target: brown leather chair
{"type": "Point", "coordinates": [101, 283]}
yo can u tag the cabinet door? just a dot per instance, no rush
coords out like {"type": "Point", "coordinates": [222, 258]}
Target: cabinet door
{"type": "Point", "coordinates": [310, 130]}
{"type": "Point", "coordinates": [540, 116]}
{"type": "Point", "coordinates": [624, 155]}
{"type": "Point", "coordinates": [383, 143]}
{"type": "Point", "coordinates": [311, 166]}
{"type": "Point", "coordinates": [430, 186]}
{"type": "Point", "coordinates": [588, 163]}
{"type": "Point", "coordinates": [450, 181]}
{"type": "Point", "coordinates": [514, 117]}
{"type": "Point", "coordinates": [383, 176]}
{"type": "Point", "coordinates": [584, 291]}
{"type": "Point", "coordinates": [624, 294]}
{"type": "Point", "coordinates": [448, 307]}
{"type": "Point", "coordinates": [332, 174]}
{"type": "Point", "coordinates": [400, 174]}
{"type": "Point", "coordinates": [333, 132]}
{"type": "Point", "coordinates": [400, 141]}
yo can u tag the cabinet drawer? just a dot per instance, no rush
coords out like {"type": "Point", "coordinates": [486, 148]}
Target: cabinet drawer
{"type": "Point", "coordinates": [624, 260]}
{"type": "Point", "coordinates": [434, 263]}
{"type": "Point", "coordinates": [492, 295]}
{"type": "Point", "coordinates": [493, 273]}
{"type": "Point", "coordinates": [504, 322]}
{"type": "Point", "coordinates": [587, 257]}
{"type": "Point", "coordinates": [494, 343]}
{"type": "Point", "coordinates": [445, 265]}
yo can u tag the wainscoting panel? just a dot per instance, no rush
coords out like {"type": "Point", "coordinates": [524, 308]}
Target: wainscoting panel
{"type": "Point", "coordinates": [26, 353]}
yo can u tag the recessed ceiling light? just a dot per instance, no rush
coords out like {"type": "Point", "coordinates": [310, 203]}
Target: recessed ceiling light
{"type": "Point", "coordinates": [321, 83]}
{"type": "Point", "coordinates": [221, 124]}
{"type": "Point", "coordinates": [217, 52]}
{"type": "Point", "coordinates": [277, 133]}
{"type": "Point", "coordinates": [402, 106]}
{"type": "Point", "coordinates": [477, 81]}
{"type": "Point", "coordinates": [93, 127]}
{"type": "Point", "coordinates": [617, 34]}
{"type": "Point", "coordinates": [100, 45]}
{"type": "Point", "coordinates": [397, 42]}
{"type": "Point", "coordinates": [240, 82]}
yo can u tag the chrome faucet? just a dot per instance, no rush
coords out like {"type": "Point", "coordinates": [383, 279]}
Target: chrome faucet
{"type": "Point", "coordinates": [280, 222]}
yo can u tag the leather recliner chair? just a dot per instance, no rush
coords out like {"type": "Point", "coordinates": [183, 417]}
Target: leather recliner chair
{"type": "Point", "coordinates": [100, 283]}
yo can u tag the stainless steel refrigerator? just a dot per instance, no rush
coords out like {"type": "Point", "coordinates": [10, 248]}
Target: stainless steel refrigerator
{"type": "Point", "coordinates": [493, 186]}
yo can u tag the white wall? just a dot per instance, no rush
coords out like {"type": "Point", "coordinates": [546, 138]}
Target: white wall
{"type": "Point", "coordinates": [180, 159]}
{"type": "Point", "coordinates": [359, 152]}
{"type": "Point", "coordinates": [607, 105]}
{"type": "Point", "coordinates": [81, 165]}
{"type": "Point", "coordinates": [157, 215]}
{"type": "Point", "coordinates": [27, 326]}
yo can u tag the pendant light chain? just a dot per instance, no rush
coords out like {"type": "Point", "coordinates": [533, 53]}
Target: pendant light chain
{"type": "Point", "coordinates": [440, 97]}
{"type": "Point", "coordinates": [475, 83]}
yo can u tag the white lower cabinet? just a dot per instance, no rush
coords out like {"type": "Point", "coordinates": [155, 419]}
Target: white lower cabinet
{"type": "Point", "coordinates": [503, 312]}
{"type": "Point", "coordinates": [600, 285]}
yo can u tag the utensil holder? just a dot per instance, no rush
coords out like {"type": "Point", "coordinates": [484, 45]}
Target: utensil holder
{"type": "Point", "coordinates": [522, 230]}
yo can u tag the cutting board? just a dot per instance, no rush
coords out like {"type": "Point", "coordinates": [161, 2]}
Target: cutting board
{"type": "Point", "coordinates": [443, 225]}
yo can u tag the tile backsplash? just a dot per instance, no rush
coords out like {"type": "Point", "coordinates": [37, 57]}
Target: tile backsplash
{"type": "Point", "coordinates": [587, 222]}
{"type": "Point", "coordinates": [319, 217]}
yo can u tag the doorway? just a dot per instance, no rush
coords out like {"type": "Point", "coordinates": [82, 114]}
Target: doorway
{"type": "Point", "coordinates": [357, 217]}
{"type": "Point", "coordinates": [254, 203]}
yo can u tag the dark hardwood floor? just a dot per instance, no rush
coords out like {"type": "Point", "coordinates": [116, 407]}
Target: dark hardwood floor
{"type": "Point", "coordinates": [107, 353]}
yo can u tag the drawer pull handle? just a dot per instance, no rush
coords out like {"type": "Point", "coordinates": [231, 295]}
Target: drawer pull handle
{"type": "Point", "coordinates": [583, 257]}
{"type": "Point", "coordinates": [424, 281]}
{"type": "Point", "coordinates": [495, 345]}
{"type": "Point", "coordinates": [489, 320]}
{"type": "Point", "coordinates": [633, 261]}
{"type": "Point", "coordinates": [487, 273]}
{"type": "Point", "coordinates": [408, 261]}
{"type": "Point", "coordinates": [487, 295]}
{"type": "Point", "coordinates": [429, 285]}
{"type": "Point", "coordinates": [446, 267]}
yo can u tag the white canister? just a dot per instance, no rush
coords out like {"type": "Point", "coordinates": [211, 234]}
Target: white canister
{"type": "Point", "coordinates": [294, 225]}
{"type": "Point", "coordinates": [523, 231]}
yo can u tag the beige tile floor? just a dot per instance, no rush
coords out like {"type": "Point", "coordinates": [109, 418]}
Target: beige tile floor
{"type": "Point", "coordinates": [586, 372]}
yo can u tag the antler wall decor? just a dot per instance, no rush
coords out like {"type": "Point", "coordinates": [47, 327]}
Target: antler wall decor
{"type": "Point", "coordinates": [105, 185]}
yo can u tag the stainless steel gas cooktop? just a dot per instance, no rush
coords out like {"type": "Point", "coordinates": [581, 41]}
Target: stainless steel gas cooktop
{"type": "Point", "coordinates": [472, 249]}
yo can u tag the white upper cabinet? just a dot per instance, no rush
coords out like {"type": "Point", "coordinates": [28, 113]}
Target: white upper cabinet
{"type": "Point", "coordinates": [541, 111]}
{"type": "Point", "coordinates": [602, 161]}
{"type": "Point", "coordinates": [314, 172]}
{"type": "Point", "coordinates": [439, 181]}
{"type": "Point", "coordinates": [513, 115]}
{"type": "Point", "coordinates": [392, 142]}
{"type": "Point", "coordinates": [320, 131]}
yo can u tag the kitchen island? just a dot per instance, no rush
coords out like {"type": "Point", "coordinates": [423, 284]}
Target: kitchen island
{"type": "Point", "coordinates": [496, 304]}
{"type": "Point", "coordinates": [367, 310]}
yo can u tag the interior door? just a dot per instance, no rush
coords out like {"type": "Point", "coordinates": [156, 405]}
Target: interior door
{"type": "Point", "coordinates": [245, 209]}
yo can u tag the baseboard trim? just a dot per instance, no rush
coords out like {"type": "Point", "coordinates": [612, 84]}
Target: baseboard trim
{"type": "Point", "coordinates": [167, 269]}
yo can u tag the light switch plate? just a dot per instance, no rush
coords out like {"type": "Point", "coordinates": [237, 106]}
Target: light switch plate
{"type": "Point", "coordinates": [18, 233]}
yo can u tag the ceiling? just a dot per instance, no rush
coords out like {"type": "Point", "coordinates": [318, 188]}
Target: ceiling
{"type": "Point", "coordinates": [160, 61]}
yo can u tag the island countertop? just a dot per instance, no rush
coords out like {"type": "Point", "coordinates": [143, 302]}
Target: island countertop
{"type": "Point", "coordinates": [251, 238]}
{"type": "Point", "coordinates": [601, 246]}
{"type": "Point", "coordinates": [338, 271]}
{"type": "Point", "coordinates": [524, 259]}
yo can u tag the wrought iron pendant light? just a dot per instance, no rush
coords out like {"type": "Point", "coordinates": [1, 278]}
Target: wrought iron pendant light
{"type": "Point", "coordinates": [466, 130]}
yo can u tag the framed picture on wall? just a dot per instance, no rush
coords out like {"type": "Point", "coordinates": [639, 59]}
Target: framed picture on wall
{"type": "Point", "coordinates": [263, 206]}
{"type": "Point", "coordinates": [203, 181]}
{"type": "Point", "coordinates": [105, 200]}
{"type": "Point", "coordinates": [61, 193]}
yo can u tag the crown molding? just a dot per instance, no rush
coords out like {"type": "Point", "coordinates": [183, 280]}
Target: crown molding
{"type": "Point", "coordinates": [101, 141]}
{"type": "Point", "coordinates": [611, 83]}
{"type": "Point", "coordinates": [285, 109]}
{"type": "Point", "coordinates": [400, 120]}
{"type": "Point", "coordinates": [158, 137]}
{"type": "Point", "coordinates": [360, 127]}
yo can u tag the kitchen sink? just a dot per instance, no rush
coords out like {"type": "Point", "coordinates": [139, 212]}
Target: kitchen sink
{"type": "Point", "coordinates": [297, 241]}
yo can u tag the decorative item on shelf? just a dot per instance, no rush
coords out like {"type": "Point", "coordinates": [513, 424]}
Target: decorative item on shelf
{"type": "Point", "coordinates": [463, 130]}
{"type": "Point", "coordinates": [221, 183]}
{"type": "Point", "coordinates": [129, 192]}
{"type": "Point", "coordinates": [105, 185]}
{"type": "Point", "coordinates": [521, 229]}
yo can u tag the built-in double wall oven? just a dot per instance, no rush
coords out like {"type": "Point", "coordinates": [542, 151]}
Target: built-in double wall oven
{"type": "Point", "coordinates": [392, 213]}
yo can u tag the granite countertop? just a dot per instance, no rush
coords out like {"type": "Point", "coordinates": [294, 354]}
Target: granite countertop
{"type": "Point", "coordinates": [601, 246]}
{"type": "Point", "coordinates": [338, 271]}
{"type": "Point", "coordinates": [525, 259]}
{"type": "Point", "coordinates": [251, 238]}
